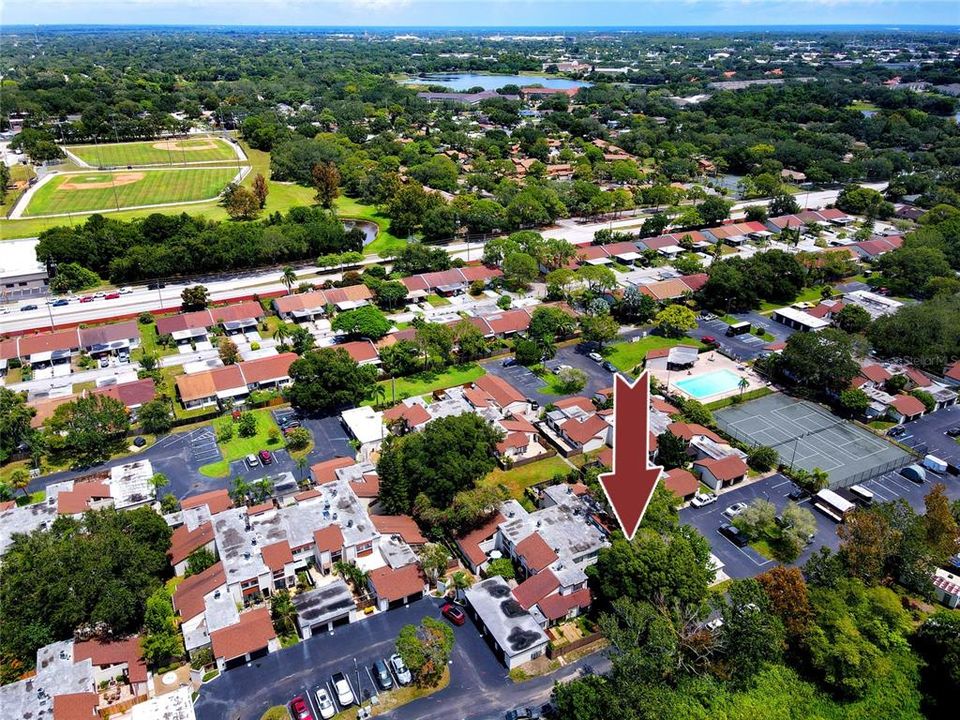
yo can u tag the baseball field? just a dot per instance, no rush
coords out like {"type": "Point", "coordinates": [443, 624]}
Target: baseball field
{"type": "Point", "coordinates": [174, 151]}
{"type": "Point", "coordinates": [79, 192]}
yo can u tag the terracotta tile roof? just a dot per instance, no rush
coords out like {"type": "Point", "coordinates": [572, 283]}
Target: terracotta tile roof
{"type": "Point", "coordinates": [215, 500]}
{"type": "Point", "coordinates": [183, 542]}
{"type": "Point", "coordinates": [49, 342]}
{"type": "Point", "coordinates": [577, 401]}
{"type": "Point", "coordinates": [581, 432]}
{"type": "Point", "coordinates": [261, 508]}
{"type": "Point", "coordinates": [360, 350]}
{"type": "Point", "coordinates": [953, 372]}
{"type": "Point", "coordinates": [391, 585]}
{"type": "Point", "coordinates": [188, 597]}
{"type": "Point", "coordinates": [45, 408]}
{"type": "Point", "coordinates": [228, 378]}
{"type": "Point", "coordinates": [681, 482]}
{"type": "Point", "coordinates": [908, 405]}
{"type": "Point", "coordinates": [326, 471]}
{"type": "Point", "coordinates": [654, 353]}
{"type": "Point", "coordinates": [196, 386]}
{"type": "Point", "coordinates": [822, 310]}
{"type": "Point", "coordinates": [666, 289]}
{"type": "Point", "coordinates": [299, 302]}
{"type": "Point", "coordinates": [115, 652]}
{"type": "Point", "coordinates": [917, 377]}
{"type": "Point", "coordinates": [502, 392]}
{"type": "Point", "coordinates": [663, 406]}
{"type": "Point", "coordinates": [7, 504]}
{"type": "Point", "coordinates": [412, 415]}
{"type": "Point", "coordinates": [557, 606]}
{"type": "Point", "coordinates": [605, 457]}
{"type": "Point", "coordinates": [535, 552]}
{"type": "Point", "coordinates": [76, 706]}
{"type": "Point", "coordinates": [513, 440]}
{"type": "Point", "coordinates": [508, 322]}
{"type": "Point", "coordinates": [369, 488]}
{"type": "Point", "coordinates": [267, 369]}
{"type": "Point", "coordinates": [277, 555]}
{"type": "Point", "coordinates": [470, 542]}
{"type": "Point", "coordinates": [535, 588]}
{"type": "Point", "coordinates": [306, 495]}
{"type": "Point", "coordinates": [517, 423]}
{"type": "Point", "coordinates": [695, 281]}
{"type": "Point", "coordinates": [478, 398]}
{"type": "Point", "coordinates": [253, 632]}
{"type": "Point", "coordinates": [351, 293]}
{"type": "Point", "coordinates": [726, 468]}
{"type": "Point", "coordinates": [591, 252]}
{"type": "Point", "coordinates": [402, 525]}
{"type": "Point", "coordinates": [875, 373]}
{"type": "Point", "coordinates": [329, 539]}
{"type": "Point", "coordinates": [249, 310]}
{"type": "Point", "coordinates": [77, 500]}
{"type": "Point", "coordinates": [688, 430]}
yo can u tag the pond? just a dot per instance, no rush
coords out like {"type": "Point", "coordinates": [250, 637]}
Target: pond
{"type": "Point", "coordinates": [369, 229]}
{"type": "Point", "coordinates": [464, 81]}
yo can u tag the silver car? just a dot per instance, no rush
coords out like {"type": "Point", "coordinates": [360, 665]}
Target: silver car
{"type": "Point", "coordinates": [327, 710]}
{"type": "Point", "coordinates": [400, 670]}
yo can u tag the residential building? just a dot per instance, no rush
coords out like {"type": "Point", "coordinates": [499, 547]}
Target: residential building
{"type": "Point", "coordinates": [511, 631]}
{"type": "Point", "coordinates": [234, 383]}
{"type": "Point", "coordinates": [721, 472]}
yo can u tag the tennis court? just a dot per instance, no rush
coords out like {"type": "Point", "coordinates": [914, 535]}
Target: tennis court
{"type": "Point", "coordinates": [809, 436]}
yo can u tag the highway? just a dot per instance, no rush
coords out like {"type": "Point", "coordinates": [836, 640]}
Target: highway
{"type": "Point", "coordinates": [267, 281]}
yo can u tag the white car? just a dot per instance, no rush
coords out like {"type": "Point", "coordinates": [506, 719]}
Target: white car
{"type": "Point", "coordinates": [343, 690]}
{"type": "Point", "coordinates": [596, 357]}
{"type": "Point", "coordinates": [735, 509]}
{"type": "Point", "coordinates": [252, 461]}
{"type": "Point", "coordinates": [400, 669]}
{"type": "Point", "coordinates": [702, 499]}
{"type": "Point", "coordinates": [125, 290]}
{"type": "Point", "coordinates": [560, 368]}
{"type": "Point", "coordinates": [327, 710]}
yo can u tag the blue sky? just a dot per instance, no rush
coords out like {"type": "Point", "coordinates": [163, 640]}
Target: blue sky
{"type": "Point", "coordinates": [486, 13]}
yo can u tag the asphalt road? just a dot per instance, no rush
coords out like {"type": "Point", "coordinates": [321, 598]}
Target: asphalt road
{"type": "Point", "coordinates": [747, 562]}
{"type": "Point", "coordinates": [479, 685]}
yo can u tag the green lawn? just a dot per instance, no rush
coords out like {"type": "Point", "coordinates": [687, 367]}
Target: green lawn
{"type": "Point", "coordinates": [518, 479]}
{"type": "Point", "coordinates": [810, 294]}
{"type": "Point", "coordinates": [155, 152]}
{"type": "Point", "coordinates": [424, 383]}
{"type": "Point", "coordinates": [437, 301]}
{"type": "Point", "coordinates": [148, 342]}
{"type": "Point", "coordinates": [104, 191]}
{"type": "Point", "coordinates": [18, 173]}
{"type": "Point", "coordinates": [385, 242]}
{"type": "Point", "coordinates": [628, 355]}
{"type": "Point", "coordinates": [238, 447]}
{"type": "Point", "coordinates": [862, 105]}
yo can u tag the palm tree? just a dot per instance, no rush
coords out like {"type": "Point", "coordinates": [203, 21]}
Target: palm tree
{"type": "Point", "coordinates": [288, 278]}
{"type": "Point", "coordinates": [282, 333]}
{"type": "Point", "coordinates": [743, 385]}
{"type": "Point", "coordinates": [283, 612]}
{"type": "Point", "coordinates": [239, 491]}
{"type": "Point", "coordinates": [302, 464]}
{"type": "Point", "coordinates": [158, 481]}
{"type": "Point", "coordinates": [379, 394]}
{"type": "Point", "coordinates": [19, 480]}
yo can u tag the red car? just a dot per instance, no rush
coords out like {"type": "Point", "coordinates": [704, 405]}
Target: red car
{"type": "Point", "coordinates": [709, 340]}
{"type": "Point", "coordinates": [265, 457]}
{"type": "Point", "coordinates": [300, 709]}
{"type": "Point", "coordinates": [112, 296]}
{"type": "Point", "coordinates": [86, 298]}
{"type": "Point", "coordinates": [454, 614]}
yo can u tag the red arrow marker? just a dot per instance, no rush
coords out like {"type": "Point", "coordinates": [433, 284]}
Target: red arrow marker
{"type": "Point", "coordinates": [629, 486]}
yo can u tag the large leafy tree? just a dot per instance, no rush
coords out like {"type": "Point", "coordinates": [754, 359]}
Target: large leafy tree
{"type": "Point", "coordinates": [87, 430]}
{"type": "Point", "coordinates": [329, 378]}
{"type": "Point", "coordinates": [364, 322]}
{"type": "Point", "coordinates": [15, 417]}
{"type": "Point", "coordinates": [819, 362]}
{"type": "Point", "coordinates": [426, 649]}
{"type": "Point", "coordinates": [96, 572]}
{"type": "Point", "coordinates": [447, 456]}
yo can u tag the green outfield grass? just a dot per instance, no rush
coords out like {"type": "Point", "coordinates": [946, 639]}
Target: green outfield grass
{"type": "Point", "coordinates": [67, 194]}
{"type": "Point", "coordinates": [155, 152]}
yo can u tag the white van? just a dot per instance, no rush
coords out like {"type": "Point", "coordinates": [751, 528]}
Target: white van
{"type": "Point", "coordinates": [932, 462]}
{"type": "Point", "coordinates": [861, 494]}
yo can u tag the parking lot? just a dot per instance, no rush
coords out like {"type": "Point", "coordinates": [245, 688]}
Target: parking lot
{"type": "Point", "coordinates": [743, 347]}
{"type": "Point", "coordinates": [928, 435]}
{"type": "Point", "coordinates": [747, 562]}
{"type": "Point", "coordinates": [203, 446]}
{"type": "Point", "coordinates": [531, 386]}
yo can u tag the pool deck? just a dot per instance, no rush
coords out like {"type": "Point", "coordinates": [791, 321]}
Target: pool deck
{"type": "Point", "coordinates": [708, 363]}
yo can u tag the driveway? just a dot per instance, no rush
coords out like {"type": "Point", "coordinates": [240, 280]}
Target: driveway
{"type": "Point", "coordinates": [928, 434]}
{"type": "Point", "coordinates": [747, 346]}
{"type": "Point", "coordinates": [746, 562]}
{"type": "Point", "coordinates": [479, 686]}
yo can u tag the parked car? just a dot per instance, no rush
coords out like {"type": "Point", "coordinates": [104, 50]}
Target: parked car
{"type": "Point", "coordinates": [382, 674]}
{"type": "Point", "coordinates": [139, 441]}
{"type": "Point", "coordinates": [299, 709]}
{"type": "Point", "coordinates": [24, 308]}
{"type": "Point", "coordinates": [734, 510]}
{"type": "Point", "coordinates": [123, 357]}
{"type": "Point", "coordinates": [954, 431]}
{"type": "Point", "coordinates": [560, 368]}
{"type": "Point", "coordinates": [702, 499]}
{"type": "Point", "coordinates": [454, 614]}
{"type": "Point", "coordinates": [290, 424]}
{"type": "Point", "coordinates": [709, 340]}
{"type": "Point", "coordinates": [252, 461]}
{"type": "Point", "coordinates": [609, 366]}
{"type": "Point", "coordinates": [343, 690]}
{"type": "Point", "coordinates": [523, 713]}
{"type": "Point", "coordinates": [897, 431]}
{"type": "Point", "coordinates": [104, 361]}
{"type": "Point", "coordinates": [596, 357]}
{"type": "Point", "coordinates": [509, 362]}
{"type": "Point", "coordinates": [731, 533]}
{"type": "Point", "coordinates": [400, 669]}
{"type": "Point", "coordinates": [798, 494]}
{"type": "Point", "coordinates": [265, 457]}
{"type": "Point", "coordinates": [325, 704]}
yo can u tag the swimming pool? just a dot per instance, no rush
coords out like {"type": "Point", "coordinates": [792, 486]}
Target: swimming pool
{"type": "Point", "coordinates": [715, 382]}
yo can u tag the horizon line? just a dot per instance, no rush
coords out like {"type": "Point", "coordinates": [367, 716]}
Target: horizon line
{"type": "Point", "coordinates": [886, 26]}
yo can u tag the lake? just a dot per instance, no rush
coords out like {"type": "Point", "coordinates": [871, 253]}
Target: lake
{"type": "Point", "coordinates": [464, 81]}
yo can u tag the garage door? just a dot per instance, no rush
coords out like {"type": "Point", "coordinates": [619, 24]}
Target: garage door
{"type": "Point", "coordinates": [236, 662]}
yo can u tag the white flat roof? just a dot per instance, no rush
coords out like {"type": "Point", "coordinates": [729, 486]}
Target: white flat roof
{"type": "Point", "coordinates": [802, 318]}
{"type": "Point", "coordinates": [364, 423]}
